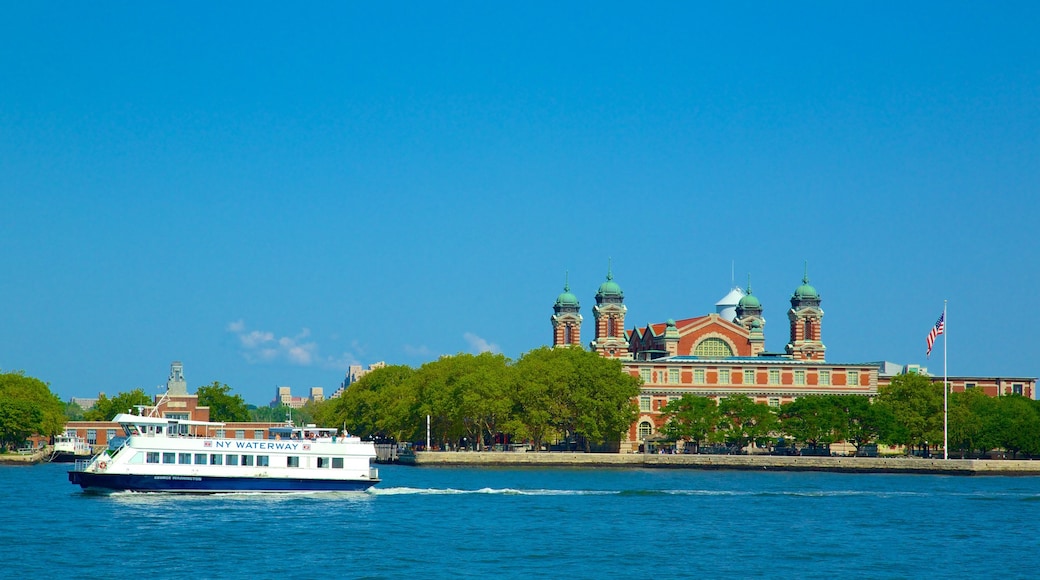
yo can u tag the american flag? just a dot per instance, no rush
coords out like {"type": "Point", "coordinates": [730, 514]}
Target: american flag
{"type": "Point", "coordinates": [939, 328]}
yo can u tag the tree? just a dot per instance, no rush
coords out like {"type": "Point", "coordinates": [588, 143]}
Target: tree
{"type": "Point", "coordinates": [28, 407]}
{"type": "Point", "coordinates": [692, 418]}
{"type": "Point", "coordinates": [223, 406]}
{"type": "Point", "coordinates": [974, 418]}
{"type": "Point", "coordinates": [372, 406]}
{"type": "Point", "coordinates": [267, 414]}
{"type": "Point", "coordinates": [19, 419]}
{"type": "Point", "coordinates": [1018, 429]}
{"type": "Point", "coordinates": [917, 404]}
{"type": "Point", "coordinates": [745, 421]}
{"type": "Point", "coordinates": [580, 395]}
{"type": "Point", "coordinates": [106, 409]}
{"type": "Point", "coordinates": [73, 412]}
{"type": "Point", "coordinates": [864, 421]}
{"type": "Point", "coordinates": [813, 419]}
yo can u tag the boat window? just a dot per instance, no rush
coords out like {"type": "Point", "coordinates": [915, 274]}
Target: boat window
{"type": "Point", "coordinates": [292, 461]}
{"type": "Point", "coordinates": [137, 459]}
{"type": "Point", "coordinates": [169, 457]}
{"type": "Point", "coordinates": [263, 461]}
{"type": "Point", "coordinates": [323, 462]}
{"type": "Point", "coordinates": [216, 459]}
{"type": "Point", "coordinates": [184, 458]}
{"type": "Point", "coordinates": [231, 459]}
{"type": "Point", "coordinates": [200, 459]}
{"type": "Point", "coordinates": [279, 433]}
{"type": "Point", "coordinates": [158, 429]}
{"type": "Point", "coordinates": [153, 457]}
{"type": "Point", "coordinates": [247, 460]}
{"type": "Point", "coordinates": [337, 463]}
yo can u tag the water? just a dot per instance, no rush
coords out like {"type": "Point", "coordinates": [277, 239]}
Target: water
{"type": "Point", "coordinates": [525, 522]}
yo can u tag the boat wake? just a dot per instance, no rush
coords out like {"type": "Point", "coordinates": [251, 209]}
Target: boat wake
{"type": "Point", "coordinates": [389, 491]}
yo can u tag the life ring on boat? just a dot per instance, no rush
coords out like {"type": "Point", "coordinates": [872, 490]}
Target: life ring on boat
{"type": "Point", "coordinates": [102, 465]}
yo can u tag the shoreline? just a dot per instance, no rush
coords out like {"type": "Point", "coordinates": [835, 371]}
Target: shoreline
{"type": "Point", "coordinates": [962, 467]}
{"type": "Point", "coordinates": [38, 456]}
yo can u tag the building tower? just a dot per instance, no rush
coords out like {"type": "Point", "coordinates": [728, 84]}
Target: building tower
{"type": "Point", "coordinates": [566, 320]}
{"type": "Point", "coordinates": [176, 385]}
{"type": "Point", "coordinates": [749, 315]}
{"type": "Point", "coordinates": [806, 316]}
{"type": "Point", "coordinates": [609, 313]}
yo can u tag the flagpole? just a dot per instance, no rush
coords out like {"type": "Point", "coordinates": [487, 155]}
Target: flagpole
{"type": "Point", "coordinates": [946, 390]}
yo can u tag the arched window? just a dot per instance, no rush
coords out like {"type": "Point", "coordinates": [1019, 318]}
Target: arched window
{"type": "Point", "coordinates": [567, 337]}
{"type": "Point", "coordinates": [713, 348]}
{"type": "Point", "coordinates": [645, 430]}
{"type": "Point", "coordinates": [611, 326]}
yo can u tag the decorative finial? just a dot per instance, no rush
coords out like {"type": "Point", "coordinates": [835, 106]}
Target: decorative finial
{"type": "Point", "coordinates": [805, 277]}
{"type": "Point", "coordinates": [566, 281]}
{"type": "Point", "coordinates": [610, 267]}
{"type": "Point", "coordinates": [749, 284]}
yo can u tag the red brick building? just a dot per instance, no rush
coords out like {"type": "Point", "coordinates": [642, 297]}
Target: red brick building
{"type": "Point", "coordinates": [715, 355]}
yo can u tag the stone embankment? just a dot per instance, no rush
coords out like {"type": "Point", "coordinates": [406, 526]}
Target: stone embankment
{"type": "Point", "coordinates": [25, 458]}
{"type": "Point", "coordinates": [737, 462]}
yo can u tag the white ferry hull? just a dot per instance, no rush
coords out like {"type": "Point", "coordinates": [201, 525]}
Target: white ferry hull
{"type": "Point", "coordinates": [111, 482]}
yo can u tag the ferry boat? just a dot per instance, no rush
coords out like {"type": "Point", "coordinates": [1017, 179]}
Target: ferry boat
{"type": "Point", "coordinates": [161, 454]}
{"type": "Point", "coordinates": [69, 447]}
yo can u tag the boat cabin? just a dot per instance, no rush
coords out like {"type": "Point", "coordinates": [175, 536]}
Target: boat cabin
{"type": "Point", "coordinates": [163, 427]}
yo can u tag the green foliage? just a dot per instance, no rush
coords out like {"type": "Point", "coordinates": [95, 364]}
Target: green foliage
{"type": "Point", "coordinates": [973, 421]}
{"type": "Point", "coordinates": [916, 403]}
{"type": "Point", "coordinates": [106, 409]}
{"type": "Point", "coordinates": [382, 403]}
{"type": "Point", "coordinates": [692, 418]}
{"type": "Point", "coordinates": [474, 400]}
{"type": "Point", "coordinates": [814, 419]}
{"type": "Point", "coordinates": [1017, 429]}
{"type": "Point", "coordinates": [223, 406]}
{"type": "Point", "coordinates": [27, 407]}
{"type": "Point", "coordinates": [864, 420]}
{"type": "Point", "coordinates": [73, 412]}
{"type": "Point", "coordinates": [745, 421]}
{"type": "Point", "coordinates": [577, 394]}
{"type": "Point", "coordinates": [283, 413]}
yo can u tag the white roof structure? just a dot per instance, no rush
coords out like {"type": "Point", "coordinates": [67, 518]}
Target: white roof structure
{"type": "Point", "coordinates": [727, 307]}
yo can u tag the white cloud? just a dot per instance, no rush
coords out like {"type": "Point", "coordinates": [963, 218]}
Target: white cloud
{"type": "Point", "coordinates": [480, 345]}
{"type": "Point", "coordinates": [262, 346]}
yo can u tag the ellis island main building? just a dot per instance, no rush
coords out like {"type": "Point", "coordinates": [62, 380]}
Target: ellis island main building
{"type": "Point", "coordinates": [715, 355]}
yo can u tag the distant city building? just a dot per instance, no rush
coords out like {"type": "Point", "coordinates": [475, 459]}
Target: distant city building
{"type": "Point", "coordinates": [354, 374]}
{"type": "Point", "coordinates": [284, 397]}
{"type": "Point", "coordinates": [84, 402]}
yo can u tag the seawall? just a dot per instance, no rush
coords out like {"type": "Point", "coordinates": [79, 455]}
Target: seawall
{"type": "Point", "coordinates": [737, 462]}
{"type": "Point", "coordinates": [36, 456]}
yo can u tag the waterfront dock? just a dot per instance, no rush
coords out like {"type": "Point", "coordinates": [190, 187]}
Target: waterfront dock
{"type": "Point", "coordinates": [733, 462]}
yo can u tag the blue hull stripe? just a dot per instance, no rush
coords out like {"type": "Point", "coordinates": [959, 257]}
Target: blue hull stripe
{"type": "Point", "coordinates": [199, 484]}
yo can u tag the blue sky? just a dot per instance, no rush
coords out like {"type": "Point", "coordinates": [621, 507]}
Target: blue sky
{"type": "Point", "coordinates": [269, 193]}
